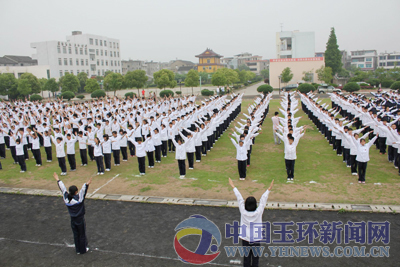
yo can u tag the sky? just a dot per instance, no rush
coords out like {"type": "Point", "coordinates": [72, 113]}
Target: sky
{"type": "Point", "coordinates": [164, 30]}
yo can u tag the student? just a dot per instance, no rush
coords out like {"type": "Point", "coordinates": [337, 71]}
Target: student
{"type": "Point", "coordinates": [98, 156]}
{"type": "Point", "coordinates": [47, 145]}
{"type": "Point", "coordinates": [123, 143]}
{"type": "Point", "coordinates": [251, 214]}
{"type": "Point", "coordinates": [116, 148]}
{"type": "Point", "coordinates": [19, 151]}
{"type": "Point", "coordinates": [157, 144]}
{"type": "Point", "coordinates": [106, 145]}
{"type": "Point", "coordinates": [140, 153]}
{"type": "Point", "coordinates": [71, 140]}
{"type": "Point", "coordinates": [363, 157]}
{"type": "Point", "coordinates": [164, 140]}
{"type": "Point", "coordinates": [290, 153]}
{"type": "Point", "coordinates": [150, 150]}
{"type": "Point", "coordinates": [60, 153]}
{"type": "Point", "coordinates": [36, 148]}
{"type": "Point", "coordinates": [75, 202]}
{"type": "Point", "coordinates": [82, 140]}
{"type": "Point", "coordinates": [241, 157]}
{"type": "Point", "coordinates": [180, 155]}
{"type": "Point", "coordinates": [190, 148]}
{"type": "Point", "coordinates": [275, 124]}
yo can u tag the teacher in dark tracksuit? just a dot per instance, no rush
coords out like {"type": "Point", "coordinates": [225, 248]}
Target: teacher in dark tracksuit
{"type": "Point", "coordinates": [76, 208]}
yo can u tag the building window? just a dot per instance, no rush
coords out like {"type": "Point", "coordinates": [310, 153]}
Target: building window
{"type": "Point", "coordinates": [92, 67]}
{"type": "Point", "coordinates": [87, 72]}
{"type": "Point", "coordinates": [115, 63]}
{"type": "Point", "coordinates": [369, 59]}
{"type": "Point", "coordinates": [361, 66]}
{"type": "Point", "coordinates": [97, 42]}
{"type": "Point", "coordinates": [59, 61]}
{"type": "Point", "coordinates": [97, 52]}
{"type": "Point", "coordinates": [102, 62]}
{"type": "Point", "coordinates": [85, 51]}
{"type": "Point", "coordinates": [106, 62]}
{"type": "Point", "coordinates": [368, 65]}
{"type": "Point", "coordinates": [72, 72]}
{"type": "Point", "coordinates": [59, 49]}
{"type": "Point", "coordinates": [87, 62]}
{"type": "Point", "coordinates": [61, 73]}
{"type": "Point", "coordinates": [391, 57]}
{"type": "Point", "coordinates": [115, 54]}
{"type": "Point", "coordinates": [101, 42]}
{"type": "Point", "coordinates": [397, 57]}
{"type": "Point", "coordinates": [208, 61]}
{"type": "Point", "coordinates": [98, 72]}
{"type": "Point", "coordinates": [64, 49]}
{"type": "Point", "coordinates": [70, 61]}
{"type": "Point", "coordinates": [98, 62]}
{"type": "Point", "coordinates": [91, 41]}
{"type": "Point", "coordinates": [118, 54]}
{"type": "Point", "coordinates": [102, 72]}
{"type": "Point", "coordinates": [382, 58]}
{"type": "Point", "coordinates": [118, 63]}
{"type": "Point", "coordinates": [111, 62]}
{"type": "Point", "coordinates": [77, 62]}
{"type": "Point", "coordinates": [65, 61]}
{"type": "Point", "coordinates": [110, 53]}
{"type": "Point", "coordinates": [76, 50]}
{"type": "Point", "coordinates": [105, 43]}
{"type": "Point", "coordinates": [105, 52]}
{"type": "Point", "coordinates": [69, 50]}
{"type": "Point", "coordinates": [81, 51]}
{"type": "Point", "coordinates": [77, 72]}
{"type": "Point", "coordinates": [117, 45]}
{"type": "Point", "coordinates": [101, 52]}
{"type": "Point", "coordinates": [82, 62]}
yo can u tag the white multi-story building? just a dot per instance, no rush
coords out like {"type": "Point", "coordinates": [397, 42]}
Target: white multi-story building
{"type": "Point", "coordinates": [364, 59]}
{"type": "Point", "coordinates": [295, 44]}
{"type": "Point", "coordinates": [389, 60]}
{"type": "Point", "coordinates": [93, 54]}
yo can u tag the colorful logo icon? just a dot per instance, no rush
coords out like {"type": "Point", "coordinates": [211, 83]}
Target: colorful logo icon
{"type": "Point", "coordinates": [207, 230]}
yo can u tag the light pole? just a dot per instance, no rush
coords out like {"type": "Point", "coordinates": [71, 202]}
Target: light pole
{"type": "Point", "coordinates": [279, 77]}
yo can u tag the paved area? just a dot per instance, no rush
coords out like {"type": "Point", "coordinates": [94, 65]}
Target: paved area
{"type": "Point", "coordinates": [35, 231]}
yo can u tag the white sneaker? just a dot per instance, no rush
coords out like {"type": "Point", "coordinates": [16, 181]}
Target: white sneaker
{"type": "Point", "coordinates": [190, 168]}
{"type": "Point", "coordinates": [21, 171]}
{"type": "Point", "coordinates": [242, 179]}
{"type": "Point", "coordinates": [39, 165]}
{"type": "Point", "coordinates": [101, 173]}
{"type": "Point", "coordinates": [124, 160]}
{"type": "Point", "coordinates": [107, 170]}
{"type": "Point", "coordinates": [98, 173]}
{"type": "Point", "coordinates": [84, 165]}
{"type": "Point", "coordinates": [197, 160]}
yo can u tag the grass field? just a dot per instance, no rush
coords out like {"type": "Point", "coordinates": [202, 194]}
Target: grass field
{"type": "Point", "coordinates": [320, 175]}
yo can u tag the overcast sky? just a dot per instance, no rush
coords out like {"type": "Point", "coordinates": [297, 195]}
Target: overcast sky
{"type": "Point", "coordinates": [163, 30]}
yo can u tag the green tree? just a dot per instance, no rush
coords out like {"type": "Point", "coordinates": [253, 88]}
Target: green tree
{"type": "Point", "coordinates": [24, 87]}
{"type": "Point", "coordinates": [51, 85]}
{"type": "Point", "coordinates": [324, 74]}
{"type": "Point", "coordinates": [113, 82]}
{"type": "Point", "coordinates": [135, 79]}
{"type": "Point", "coordinates": [107, 72]}
{"type": "Point", "coordinates": [243, 67]}
{"type": "Point", "coordinates": [82, 77]}
{"type": "Point", "coordinates": [308, 75]}
{"type": "Point", "coordinates": [218, 78]}
{"type": "Point", "coordinates": [42, 82]}
{"type": "Point", "coordinates": [333, 57]}
{"type": "Point", "coordinates": [231, 76]}
{"type": "Point", "coordinates": [286, 75]}
{"type": "Point", "coordinates": [204, 77]}
{"type": "Point", "coordinates": [91, 85]}
{"type": "Point", "coordinates": [265, 73]}
{"type": "Point", "coordinates": [164, 78]}
{"type": "Point", "coordinates": [8, 85]}
{"type": "Point", "coordinates": [192, 79]}
{"type": "Point", "coordinates": [69, 82]}
{"type": "Point", "coordinates": [33, 82]}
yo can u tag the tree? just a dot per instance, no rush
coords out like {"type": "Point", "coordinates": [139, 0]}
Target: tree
{"type": "Point", "coordinates": [51, 85]}
{"type": "Point", "coordinates": [395, 86]}
{"type": "Point", "coordinates": [324, 74]}
{"type": "Point", "coordinates": [308, 75]}
{"type": "Point", "coordinates": [42, 82]}
{"type": "Point", "coordinates": [113, 82]}
{"type": "Point", "coordinates": [82, 77]}
{"type": "Point", "coordinates": [107, 72]}
{"type": "Point", "coordinates": [69, 82]}
{"type": "Point", "coordinates": [305, 88]}
{"type": "Point", "coordinates": [286, 75]}
{"type": "Point", "coordinates": [136, 78]}
{"type": "Point", "coordinates": [8, 84]}
{"type": "Point", "coordinates": [380, 73]}
{"type": "Point", "coordinates": [204, 77]}
{"type": "Point", "coordinates": [243, 67]}
{"type": "Point", "coordinates": [91, 85]}
{"type": "Point", "coordinates": [265, 88]}
{"type": "Point", "coordinates": [333, 57]}
{"type": "Point", "coordinates": [265, 73]}
{"type": "Point", "coordinates": [218, 78]}
{"type": "Point", "coordinates": [231, 76]}
{"type": "Point", "coordinates": [192, 79]}
{"type": "Point", "coordinates": [164, 78]}
{"type": "Point", "coordinates": [394, 73]}
{"type": "Point", "coordinates": [351, 87]}
{"type": "Point", "coordinates": [33, 82]}
{"type": "Point", "coordinates": [24, 87]}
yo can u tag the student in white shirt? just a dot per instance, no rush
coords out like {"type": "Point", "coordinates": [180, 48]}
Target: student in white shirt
{"type": "Point", "coordinates": [123, 144]}
{"type": "Point", "coordinates": [150, 150]}
{"type": "Point", "coordinates": [241, 156]}
{"type": "Point", "coordinates": [164, 140]}
{"type": "Point", "coordinates": [98, 156]}
{"type": "Point", "coordinates": [71, 140]}
{"type": "Point", "coordinates": [82, 140]}
{"type": "Point", "coordinates": [363, 157]}
{"type": "Point", "coordinates": [157, 144]}
{"type": "Point", "coordinates": [106, 145]}
{"type": "Point", "coordinates": [180, 155]}
{"type": "Point", "coordinates": [116, 148]}
{"type": "Point", "coordinates": [290, 153]}
{"type": "Point", "coordinates": [19, 151]}
{"type": "Point", "coordinates": [47, 145]}
{"type": "Point", "coordinates": [60, 152]}
{"type": "Point", "coordinates": [275, 124]}
{"type": "Point", "coordinates": [36, 148]}
{"type": "Point", "coordinates": [250, 214]}
{"type": "Point", "coordinates": [140, 153]}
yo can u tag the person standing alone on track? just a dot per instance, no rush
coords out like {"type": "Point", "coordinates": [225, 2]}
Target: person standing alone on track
{"type": "Point", "coordinates": [76, 208]}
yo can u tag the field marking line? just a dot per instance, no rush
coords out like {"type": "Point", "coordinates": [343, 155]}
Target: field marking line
{"type": "Point", "coordinates": [94, 192]}
{"type": "Point", "coordinates": [102, 250]}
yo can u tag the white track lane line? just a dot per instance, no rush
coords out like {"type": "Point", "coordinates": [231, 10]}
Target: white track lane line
{"type": "Point", "coordinates": [94, 192]}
